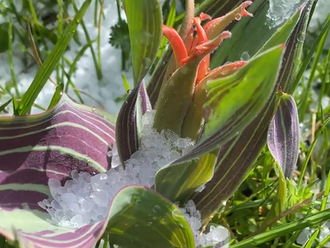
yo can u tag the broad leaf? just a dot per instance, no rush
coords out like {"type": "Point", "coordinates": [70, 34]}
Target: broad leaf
{"type": "Point", "coordinates": [175, 98]}
{"type": "Point", "coordinates": [248, 34]}
{"type": "Point", "coordinates": [50, 145]}
{"type": "Point", "coordinates": [144, 20]}
{"type": "Point", "coordinates": [237, 155]}
{"type": "Point", "coordinates": [140, 217]}
{"type": "Point", "coordinates": [179, 180]}
{"type": "Point", "coordinates": [282, 33]}
{"type": "Point", "coordinates": [49, 64]}
{"type": "Point", "coordinates": [129, 122]}
{"type": "Point", "coordinates": [234, 101]}
{"type": "Point", "coordinates": [4, 37]}
{"type": "Point", "coordinates": [283, 135]}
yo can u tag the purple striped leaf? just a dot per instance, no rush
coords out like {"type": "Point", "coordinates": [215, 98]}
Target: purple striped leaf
{"type": "Point", "coordinates": [69, 137]}
{"type": "Point", "coordinates": [238, 154]}
{"type": "Point", "coordinates": [283, 135]}
{"type": "Point", "coordinates": [232, 103]}
{"type": "Point", "coordinates": [50, 145]}
{"type": "Point", "coordinates": [129, 122]}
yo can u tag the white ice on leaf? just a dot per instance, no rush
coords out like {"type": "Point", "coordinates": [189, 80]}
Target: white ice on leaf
{"type": "Point", "coordinates": [86, 198]}
{"type": "Point", "coordinates": [84, 78]}
{"type": "Point", "coordinates": [281, 10]}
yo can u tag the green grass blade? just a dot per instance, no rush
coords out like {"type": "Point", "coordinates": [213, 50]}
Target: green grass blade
{"type": "Point", "coordinates": [48, 66]}
{"type": "Point", "coordinates": [285, 229]}
{"type": "Point", "coordinates": [57, 95]}
{"type": "Point", "coordinates": [144, 20]}
{"type": "Point", "coordinates": [3, 106]}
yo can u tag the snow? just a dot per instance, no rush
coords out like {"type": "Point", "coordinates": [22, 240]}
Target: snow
{"type": "Point", "coordinates": [86, 198]}
{"type": "Point", "coordinates": [281, 10]}
{"type": "Point", "coordinates": [105, 90]}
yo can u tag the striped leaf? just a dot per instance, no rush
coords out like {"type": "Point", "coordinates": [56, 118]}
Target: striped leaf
{"type": "Point", "coordinates": [234, 101]}
{"type": "Point", "coordinates": [283, 135]}
{"type": "Point", "coordinates": [140, 217]}
{"type": "Point", "coordinates": [248, 34]}
{"type": "Point", "coordinates": [178, 181]}
{"type": "Point", "coordinates": [238, 154]}
{"type": "Point", "coordinates": [129, 122]}
{"type": "Point", "coordinates": [175, 98]}
{"type": "Point", "coordinates": [144, 20]}
{"type": "Point", "coordinates": [50, 145]}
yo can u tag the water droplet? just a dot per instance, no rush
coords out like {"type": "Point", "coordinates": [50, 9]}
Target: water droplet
{"type": "Point", "coordinates": [238, 17]}
{"type": "Point", "coordinates": [149, 223]}
{"type": "Point", "coordinates": [184, 70]}
{"type": "Point", "coordinates": [224, 72]}
{"type": "Point", "coordinates": [146, 62]}
{"type": "Point", "coordinates": [245, 56]}
{"type": "Point", "coordinates": [136, 199]}
{"type": "Point", "coordinates": [156, 209]}
{"type": "Point", "coordinates": [176, 214]}
{"type": "Point", "coordinates": [144, 37]}
{"type": "Point", "coordinates": [301, 37]}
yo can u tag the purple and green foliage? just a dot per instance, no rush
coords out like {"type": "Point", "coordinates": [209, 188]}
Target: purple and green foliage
{"type": "Point", "coordinates": [230, 111]}
{"type": "Point", "coordinates": [283, 135]}
{"type": "Point", "coordinates": [73, 137]}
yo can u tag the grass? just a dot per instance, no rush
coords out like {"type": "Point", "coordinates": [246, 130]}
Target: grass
{"type": "Point", "coordinates": [250, 213]}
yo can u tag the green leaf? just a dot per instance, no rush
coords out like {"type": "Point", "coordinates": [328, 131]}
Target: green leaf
{"type": "Point", "coordinates": [51, 61]}
{"type": "Point", "coordinates": [31, 228]}
{"type": "Point", "coordinates": [3, 106]}
{"type": "Point", "coordinates": [282, 34]}
{"type": "Point", "coordinates": [4, 37]}
{"type": "Point", "coordinates": [236, 156]}
{"type": "Point", "coordinates": [57, 95]}
{"type": "Point", "coordinates": [248, 35]}
{"type": "Point", "coordinates": [176, 97]}
{"type": "Point", "coordinates": [129, 122]}
{"type": "Point", "coordinates": [282, 230]}
{"type": "Point", "coordinates": [178, 181]}
{"type": "Point", "coordinates": [144, 20]}
{"type": "Point", "coordinates": [36, 148]}
{"type": "Point", "coordinates": [234, 101]}
{"type": "Point", "coordinates": [140, 217]}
